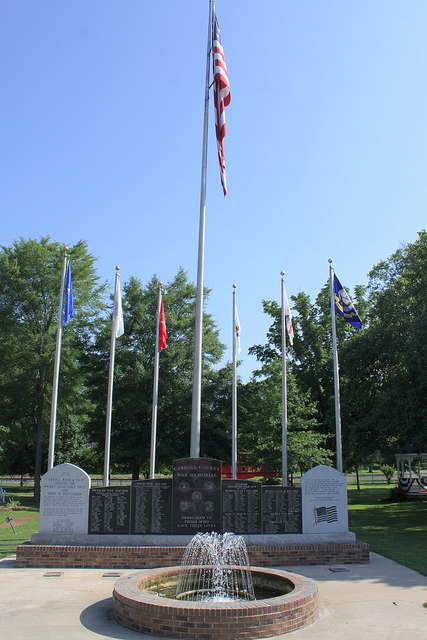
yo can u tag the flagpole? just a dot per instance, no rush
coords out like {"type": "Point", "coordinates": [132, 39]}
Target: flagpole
{"type": "Point", "coordinates": [197, 370]}
{"type": "Point", "coordinates": [56, 367]}
{"type": "Point", "coordinates": [336, 370]}
{"type": "Point", "coordinates": [284, 392]}
{"type": "Point", "coordinates": [234, 396]}
{"type": "Point", "coordinates": [155, 390]}
{"type": "Point", "coordinates": [110, 386]}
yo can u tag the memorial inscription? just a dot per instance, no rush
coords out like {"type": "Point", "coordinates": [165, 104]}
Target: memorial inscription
{"type": "Point", "coordinates": [109, 510]}
{"type": "Point", "coordinates": [64, 500]}
{"type": "Point", "coordinates": [281, 510]}
{"type": "Point", "coordinates": [196, 496]}
{"type": "Point", "coordinates": [241, 507]}
{"type": "Point", "coordinates": [324, 491]}
{"type": "Point", "coordinates": [152, 506]}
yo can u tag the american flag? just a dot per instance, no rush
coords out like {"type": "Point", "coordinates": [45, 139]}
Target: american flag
{"type": "Point", "coordinates": [325, 514]}
{"type": "Point", "coordinates": [221, 97]}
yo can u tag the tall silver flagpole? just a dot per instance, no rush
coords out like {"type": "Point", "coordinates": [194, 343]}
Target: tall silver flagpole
{"type": "Point", "coordinates": [336, 370]}
{"type": "Point", "coordinates": [197, 371]}
{"type": "Point", "coordinates": [234, 396]}
{"type": "Point", "coordinates": [56, 367]}
{"type": "Point", "coordinates": [284, 391]}
{"type": "Point", "coordinates": [155, 390]}
{"type": "Point", "coordinates": [110, 386]}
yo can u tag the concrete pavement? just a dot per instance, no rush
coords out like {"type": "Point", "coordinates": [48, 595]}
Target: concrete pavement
{"type": "Point", "coordinates": [381, 601]}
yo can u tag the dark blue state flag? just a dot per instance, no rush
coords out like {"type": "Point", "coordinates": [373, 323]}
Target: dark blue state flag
{"type": "Point", "coordinates": [344, 305]}
{"type": "Point", "coordinates": [69, 303]}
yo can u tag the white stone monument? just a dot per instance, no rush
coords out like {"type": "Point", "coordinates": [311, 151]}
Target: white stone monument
{"type": "Point", "coordinates": [324, 501]}
{"type": "Point", "coordinates": [64, 503]}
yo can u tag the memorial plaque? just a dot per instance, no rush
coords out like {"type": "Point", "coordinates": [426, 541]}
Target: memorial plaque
{"type": "Point", "coordinates": [241, 506]}
{"type": "Point", "coordinates": [152, 506]}
{"type": "Point", "coordinates": [64, 500]}
{"type": "Point", "coordinates": [196, 496]}
{"type": "Point", "coordinates": [324, 501]}
{"type": "Point", "coordinates": [109, 510]}
{"type": "Point", "coordinates": [281, 509]}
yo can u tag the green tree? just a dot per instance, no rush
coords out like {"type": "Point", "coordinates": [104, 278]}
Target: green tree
{"type": "Point", "coordinates": [260, 422]}
{"type": "Point", "coordinates": [30, 278]}
{"type": "Point", "coordinates": [133, 379]}
{"type": "Point", "coordinates": [388, 361]}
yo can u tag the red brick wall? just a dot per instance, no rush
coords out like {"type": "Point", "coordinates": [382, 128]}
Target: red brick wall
{"type": "Point", "coordinates": [56, 556]}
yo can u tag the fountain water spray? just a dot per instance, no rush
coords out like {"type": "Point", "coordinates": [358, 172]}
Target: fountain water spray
{"type": "Point", "coordinates": [215, 568]}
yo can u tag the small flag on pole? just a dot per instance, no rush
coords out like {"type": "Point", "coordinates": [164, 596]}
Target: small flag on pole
{"type": "Point", "coordinates": [221, 97]}
{"type": "Point", "coordinates": [237, 327]}
{"type": "Point", "coordinates": [118, 312]}
{"type": "Point", "coordinates": [344, 305]}
{"type": "Point", "coordinates": [162, 328]}
{"type": "Point", "coordinates": [288, 317]}
{"type": "Point", "coordinates": [69, 303]}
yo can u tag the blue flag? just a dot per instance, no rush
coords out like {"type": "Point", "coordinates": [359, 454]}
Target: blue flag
{"type": "Point", "coordinates": [69, 304]}
{"type": "Point", "coordinates": [344, 305]}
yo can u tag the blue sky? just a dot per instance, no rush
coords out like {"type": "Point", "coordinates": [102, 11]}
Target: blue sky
{"type": "Point", "coordinates": [326, 148]}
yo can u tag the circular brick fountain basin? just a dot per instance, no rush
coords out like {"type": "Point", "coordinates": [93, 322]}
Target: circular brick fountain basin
{"type": "Point", "coordinates": [146, 612]}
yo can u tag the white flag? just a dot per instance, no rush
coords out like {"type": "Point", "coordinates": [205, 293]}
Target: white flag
{"type": "Point", "coordinates": [118, 312]}
{"type": "Point", "coordinates": [237, 329]}
{"type": "Point", "coordinates": [288, 316]}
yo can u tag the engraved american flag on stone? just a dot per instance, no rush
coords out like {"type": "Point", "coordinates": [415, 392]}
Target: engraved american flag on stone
{"type": "Point", "coordinates": [325, 514]}
{"type": "Point", "coordinates": [221, 97]}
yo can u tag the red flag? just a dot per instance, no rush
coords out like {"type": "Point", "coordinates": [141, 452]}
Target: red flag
{"type": "Point", "coordinates": [221, 97]}
{"type": "Point", "coordinates": [162, 328]}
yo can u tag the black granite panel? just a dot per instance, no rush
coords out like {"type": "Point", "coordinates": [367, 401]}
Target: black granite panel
{"type": "Point", "coordinates": [152, 506]}
{"type": "Point", "coordinates": [241, 506]}
{"type": "Point", "coordinates": [281, 509]}
{"type": "Point", "coordinates": [109, 510]}
{"type": "Point", "coordinates": [196, 496]}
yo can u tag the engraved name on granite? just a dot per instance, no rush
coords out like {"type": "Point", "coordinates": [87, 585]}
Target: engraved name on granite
{"type": "Point", "coordinates": [109, 510]}
{"type": "Point", "coordinates": [152, 506]}
{"type": "Point", "coordinates": [281, 510]}
{"type": "Point", "coordinates": [241, 506]}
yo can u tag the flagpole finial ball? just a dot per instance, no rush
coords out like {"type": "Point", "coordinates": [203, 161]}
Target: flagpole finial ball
{"type": "Point", "coordinates": [234, 286]}
{"type": "Point", "coordinates": [330, 261]}
{"type": "Point", "coordinates": [282, 273]}
{"type": "Point", "coordinates": [160, 283]}
{"type": "Point", "coordinates": [65, 248]}
{"type": "Point", "coordinates": [117, 268]}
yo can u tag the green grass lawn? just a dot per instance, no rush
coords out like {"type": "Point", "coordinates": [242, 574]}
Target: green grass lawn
{"type": "Point", "coordinates": [8, 539]}
{"type": "Point", "coordinates": [396, 530]}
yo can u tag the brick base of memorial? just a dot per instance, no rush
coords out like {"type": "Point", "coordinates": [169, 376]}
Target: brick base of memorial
{"type": "Point", "coordinates": [111, 557]}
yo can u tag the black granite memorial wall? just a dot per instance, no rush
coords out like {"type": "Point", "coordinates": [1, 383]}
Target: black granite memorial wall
{"type": "Point", "coordinates": [195, 500]}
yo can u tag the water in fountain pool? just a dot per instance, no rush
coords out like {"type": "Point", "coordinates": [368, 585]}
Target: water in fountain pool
{"type": "Point", "coordinates": [215, 568]}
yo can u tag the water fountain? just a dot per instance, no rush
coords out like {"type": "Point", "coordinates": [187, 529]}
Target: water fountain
{"type": "Point", "coordinates": [213, 596]}
{"type": "Point", "coordinates": [215, 568]}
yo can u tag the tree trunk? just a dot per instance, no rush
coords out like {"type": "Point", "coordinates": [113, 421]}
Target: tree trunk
{"type": "Point", "coordinates": [357, 478]}
{"type": "Point", "coordinates": [39, 435]}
